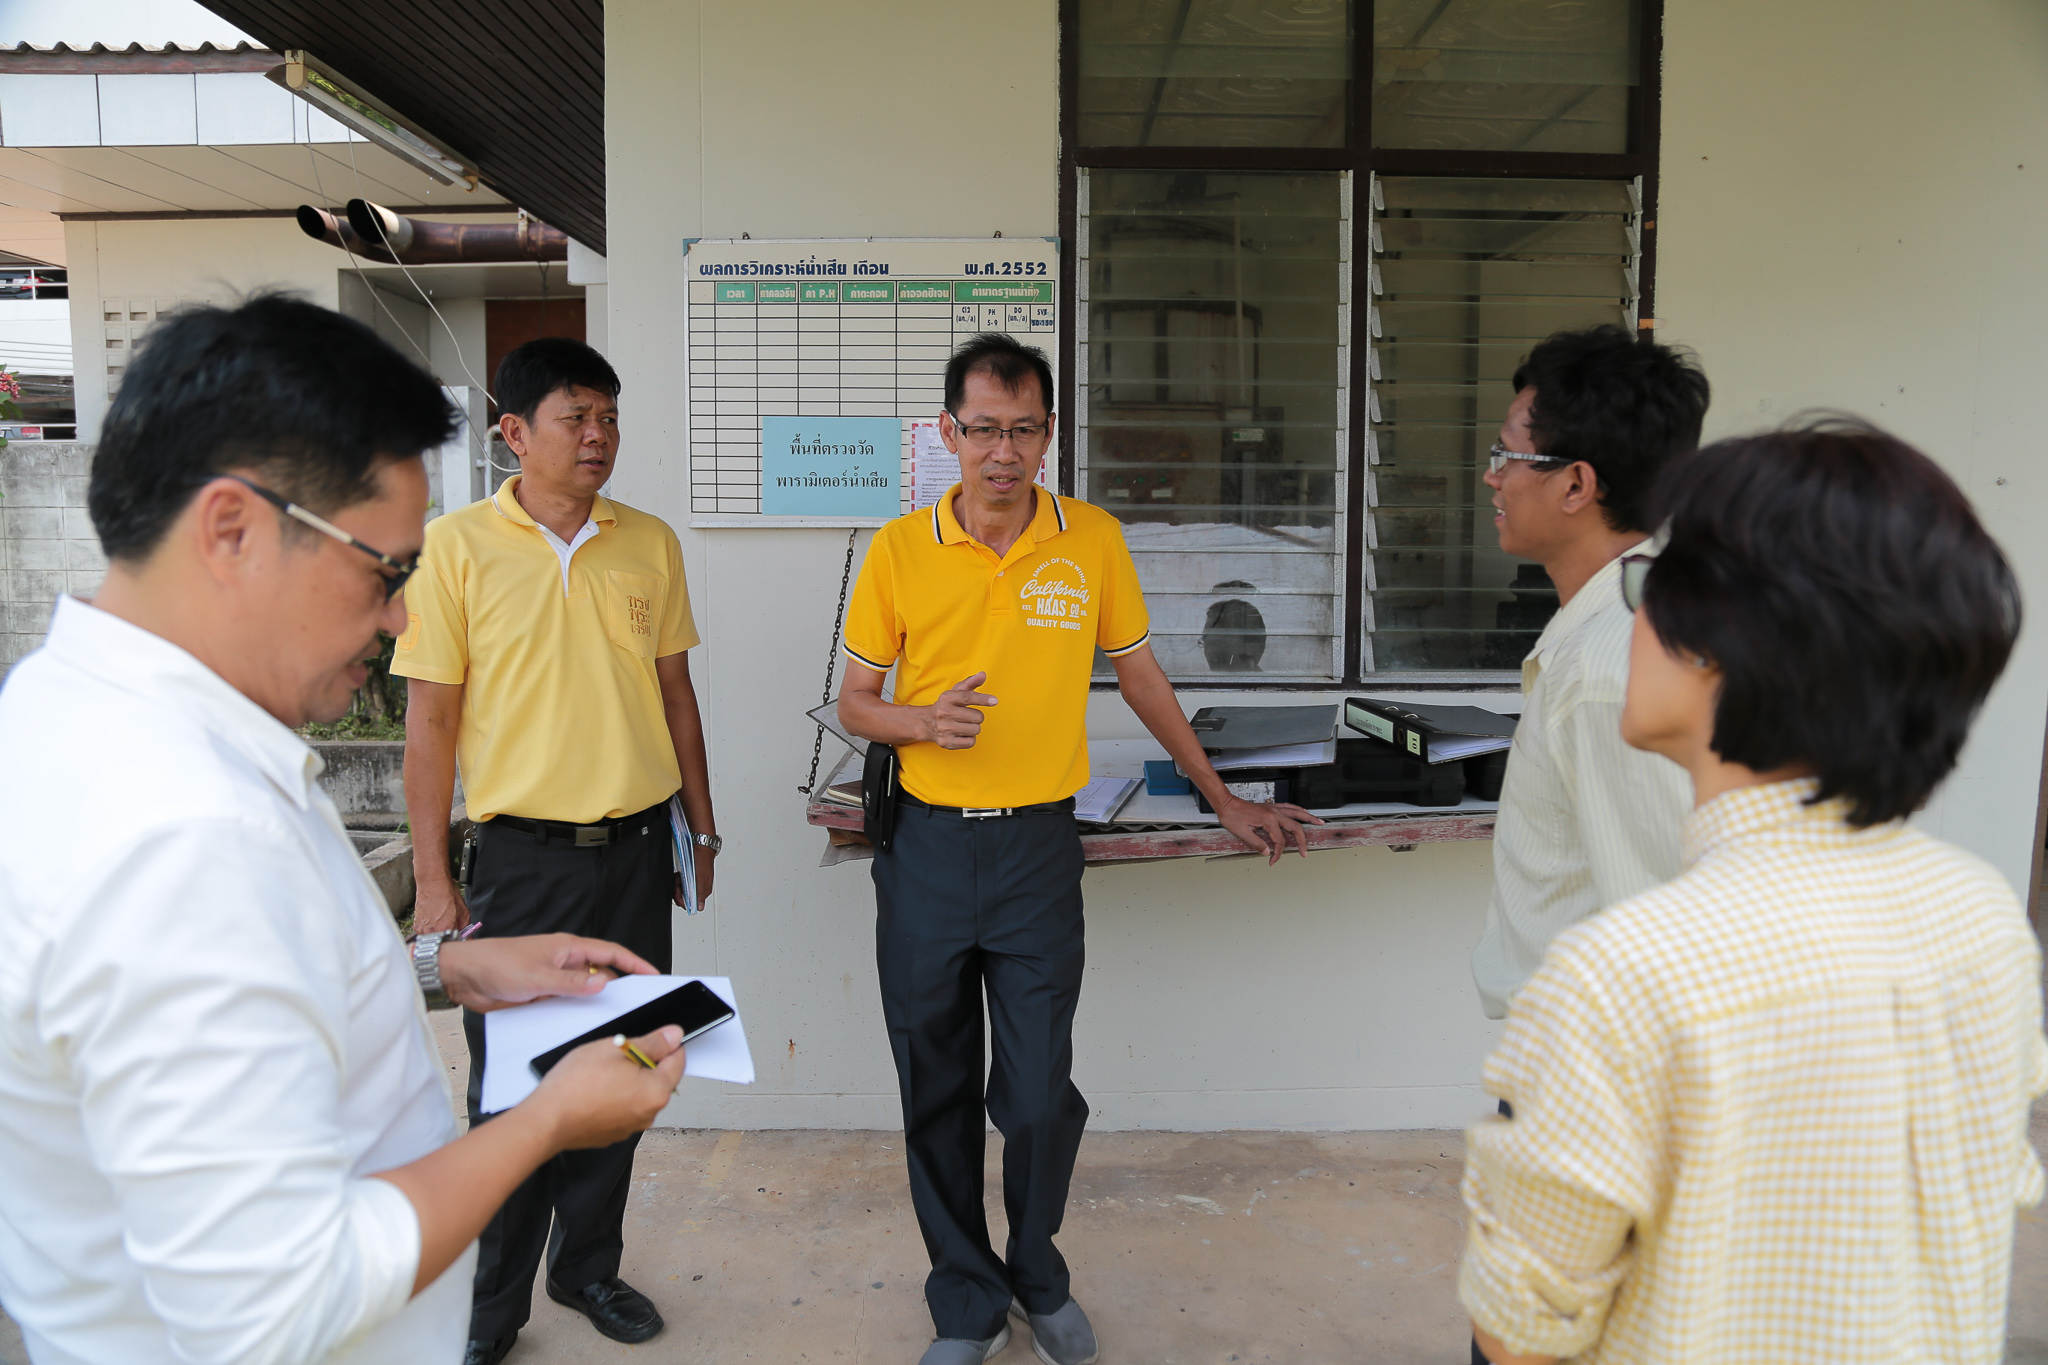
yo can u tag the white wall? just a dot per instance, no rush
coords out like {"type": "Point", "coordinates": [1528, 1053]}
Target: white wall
{"type": "Point", "coordinates": [1331, 993]}
{"type": "Point", "coordinates": [1851, 219]}
{"type": "Point", "coordinates": [47, 544]}
{"type": "Point", "coordinates": [165, 261]}
{"type": "Point", "coordinates": [1847, 220]}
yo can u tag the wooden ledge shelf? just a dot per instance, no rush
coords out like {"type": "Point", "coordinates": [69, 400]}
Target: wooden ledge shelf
{"type": "Point", "coordinates": [1106, 846]}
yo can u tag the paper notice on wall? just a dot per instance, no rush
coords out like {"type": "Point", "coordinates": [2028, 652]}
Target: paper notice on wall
{"type": "Point", "coordinates": [934, 469]}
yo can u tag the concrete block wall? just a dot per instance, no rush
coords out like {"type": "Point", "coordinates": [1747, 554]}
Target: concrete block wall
{"type": "Point", "coordinates": [47, 545]}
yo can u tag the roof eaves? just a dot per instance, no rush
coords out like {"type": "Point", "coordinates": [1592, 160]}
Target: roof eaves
{"type": "Point", "coordinates": [167, 58]}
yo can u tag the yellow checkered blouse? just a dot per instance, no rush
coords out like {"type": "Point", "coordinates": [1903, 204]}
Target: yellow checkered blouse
{"type": "Point", "coordinates": [1774, 1110]}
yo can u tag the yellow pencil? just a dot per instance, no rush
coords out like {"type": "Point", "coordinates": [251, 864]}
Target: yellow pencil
{"type": "Point", "coordinates": [619, 1040]}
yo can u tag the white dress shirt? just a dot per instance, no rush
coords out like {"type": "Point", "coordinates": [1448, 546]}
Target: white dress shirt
{"type": "Point", "coordinates": [210, 1035]}
{"type": "Point", "coordinates": [1585, 820]}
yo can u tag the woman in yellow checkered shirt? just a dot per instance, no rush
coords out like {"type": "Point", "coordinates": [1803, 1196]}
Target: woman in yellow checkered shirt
{"type": "Point", "coordinates": [1776, 1109]}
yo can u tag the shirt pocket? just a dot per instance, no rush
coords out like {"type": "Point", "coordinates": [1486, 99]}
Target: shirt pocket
{"type": "Point", "coordinates": [632, 606]}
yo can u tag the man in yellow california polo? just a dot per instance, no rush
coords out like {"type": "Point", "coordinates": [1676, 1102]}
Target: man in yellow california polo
{"type": "Point", "coordinates": [991, 604]}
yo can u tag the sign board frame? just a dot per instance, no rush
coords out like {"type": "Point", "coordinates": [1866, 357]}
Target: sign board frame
{"type": "Point", "coordinates": [839, 328]}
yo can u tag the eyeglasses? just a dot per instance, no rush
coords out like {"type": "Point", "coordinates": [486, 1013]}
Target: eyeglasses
{"type": "Point", "coordinates": [400, 569]}
{"type": "Point", "coordinates": [1028, 436]}
{"type": "Point", "coordinates": [1497, 458]}
{"type": "Point", "coordinates": [1635, 572]}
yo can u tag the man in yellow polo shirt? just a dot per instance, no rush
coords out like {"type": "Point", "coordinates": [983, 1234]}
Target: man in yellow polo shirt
{"type": "Point", "coordinates": [545, 640]}
{"type": "Point", "coordinates": [991, 604]}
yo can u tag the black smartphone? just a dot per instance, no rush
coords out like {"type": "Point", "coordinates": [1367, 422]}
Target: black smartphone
{"type": "Point", "coordinates": [693, 1007]}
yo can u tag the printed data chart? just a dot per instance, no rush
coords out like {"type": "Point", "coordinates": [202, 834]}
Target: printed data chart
{"type": "Point", "coordinates": [839, 329]}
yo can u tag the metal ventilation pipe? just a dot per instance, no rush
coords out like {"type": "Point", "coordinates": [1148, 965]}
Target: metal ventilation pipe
{"type": "Point", "coordinates": [418, 242]}
{"type": "Point", "coordinates": [323, 226]}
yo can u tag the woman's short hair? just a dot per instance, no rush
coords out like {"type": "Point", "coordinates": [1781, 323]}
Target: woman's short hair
{"type": "Point", "coordinates": [1856, 608]}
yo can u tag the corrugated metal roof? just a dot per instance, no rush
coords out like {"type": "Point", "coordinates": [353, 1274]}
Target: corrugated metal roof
{"type": "Point", "coordinates": [132, 47]}
{"type": "Point", "coordinates": [517, 88]}
{"type": "Point", "coordinates": [136, 58]}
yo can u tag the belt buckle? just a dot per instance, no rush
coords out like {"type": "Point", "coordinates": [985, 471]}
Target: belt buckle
{"type": "Point", "coordinates": [593, 836]}
{"type": "Point", "coordinates": [983, 812]}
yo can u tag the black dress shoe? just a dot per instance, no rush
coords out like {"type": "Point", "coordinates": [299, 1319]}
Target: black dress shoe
{"type": "Point", "coordinates": [614, 1308]}
{"type": "Point", "coordinates": [488, 1352]}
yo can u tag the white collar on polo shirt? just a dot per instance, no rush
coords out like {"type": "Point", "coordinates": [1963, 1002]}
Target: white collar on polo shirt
{"type": "Point", "coordinates": [566, 551]}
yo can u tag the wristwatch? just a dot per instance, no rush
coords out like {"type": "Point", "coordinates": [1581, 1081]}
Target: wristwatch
{"type": "Point", "coordinates": [710, 841]}
{"type": "Point", "coordinates": [426, 966]}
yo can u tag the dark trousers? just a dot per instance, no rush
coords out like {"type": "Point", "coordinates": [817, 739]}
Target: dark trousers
{"type": "Point", "coordinates": [622, 891]}
{"type": "Point", "coordinates": [967, 907]}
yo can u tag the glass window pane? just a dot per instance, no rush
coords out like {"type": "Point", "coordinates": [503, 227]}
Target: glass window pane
{"type": "Point", "coordinates": [1469, 276]}
{"type": "Point", "coordinates": [1214, 73]}
{"type": "Point", "coordinates": [1213, 407]}
{"type": "Point", "coordinates": [1503, 75]}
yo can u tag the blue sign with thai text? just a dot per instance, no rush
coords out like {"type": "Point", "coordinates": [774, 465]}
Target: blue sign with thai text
{"type": "Point", "coordinates": [831, 466]}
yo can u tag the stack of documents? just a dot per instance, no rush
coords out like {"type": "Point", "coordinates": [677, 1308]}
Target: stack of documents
{"type": "Point", "coordinates": [1099, 801]}
{"type": "Point", "coordinates": [1238, 737]}
{"type": "Point", "coordinates": [1434, 734]}
{"type": "Point", "coordinates": [842, 788]}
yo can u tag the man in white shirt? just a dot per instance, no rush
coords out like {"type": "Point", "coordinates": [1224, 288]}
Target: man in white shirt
{"type": "Point", "coordinates": [223, 1131]}
{"type": "Point", "coordinates": [1585, 820]}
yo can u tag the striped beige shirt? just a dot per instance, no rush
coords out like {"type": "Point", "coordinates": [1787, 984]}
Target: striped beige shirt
{"type": "Point", "coordinates": [1775, 1110]}
{"type": "Point", "coordinates": [1585, 820]}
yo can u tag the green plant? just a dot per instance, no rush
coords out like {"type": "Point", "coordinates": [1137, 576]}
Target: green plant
{"type": "Point", "coordinates": [377, 711]}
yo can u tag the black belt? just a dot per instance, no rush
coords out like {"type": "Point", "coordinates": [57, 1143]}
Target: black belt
{"type": "Point", "coordinates": [1065, 807]}
{"type": "Point", "coordinates": [595, 835]}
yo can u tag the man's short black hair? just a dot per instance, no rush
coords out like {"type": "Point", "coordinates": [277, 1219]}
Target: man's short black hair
{"type": "Point", "coordinates": [1856, 608]}
{"type": "Point", "coordinates": [531, 372]}
{"type": "Point", "coordinates": [1621, 403]}
{"type": "Point", "coordinates": [304, 399]}
{"type": "Point", "coordinates": [1001, 357]}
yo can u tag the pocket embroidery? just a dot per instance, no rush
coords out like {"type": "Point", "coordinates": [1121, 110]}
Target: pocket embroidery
{"type": "Point", "coordinates": [632, 602]}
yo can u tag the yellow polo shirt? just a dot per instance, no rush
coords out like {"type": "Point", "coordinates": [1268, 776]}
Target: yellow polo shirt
{"type": "Point", "coordinates": [942, 607]}
{"type": "Point", "coordinates": [561, 711]}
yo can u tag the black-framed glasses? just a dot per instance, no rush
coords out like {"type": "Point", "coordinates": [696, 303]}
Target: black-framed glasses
{"type": "Point", "coordinates": [400, 569]}
{"type": "Point", "coordinates": [1635, 572]}
{"type": "Point", "coordinates": [1027, 435]}
{"type": "Point", "coordinates": [1497, 458]}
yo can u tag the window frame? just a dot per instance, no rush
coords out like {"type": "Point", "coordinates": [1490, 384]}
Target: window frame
{"type": "Point", "coordinates": [1363, 160]}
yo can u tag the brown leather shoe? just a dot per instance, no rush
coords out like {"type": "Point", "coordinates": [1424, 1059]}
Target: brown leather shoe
{"type": "Point", "coordinates": [614, 1308]}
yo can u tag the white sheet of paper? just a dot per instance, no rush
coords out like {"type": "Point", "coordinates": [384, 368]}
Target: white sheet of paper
{"type": "Point", "coordinates": [1099, 800]}
{"type": "Point", "coordinates": [933, 468]}
{"type": "Point", "coordinates": [514, 1036]}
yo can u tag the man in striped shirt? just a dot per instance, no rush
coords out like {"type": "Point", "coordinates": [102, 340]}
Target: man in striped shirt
{"type": "Point", "coordinates": [1776, 1110]}
{"type": "Point", "coordinates": [1584, 819]}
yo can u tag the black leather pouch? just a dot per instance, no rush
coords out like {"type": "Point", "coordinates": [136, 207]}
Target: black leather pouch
{"type": "Point", "coordinates": [878, 791]}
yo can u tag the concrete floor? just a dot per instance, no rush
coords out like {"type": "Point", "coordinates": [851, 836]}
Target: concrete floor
{"type": "Point", "coordinates": [1188, 1249]}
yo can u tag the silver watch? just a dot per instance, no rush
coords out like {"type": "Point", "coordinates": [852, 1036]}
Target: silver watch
{"type": "Point", "coordinates": [710, 841]}
{"type": "Point", "coordinates": [426, 966]}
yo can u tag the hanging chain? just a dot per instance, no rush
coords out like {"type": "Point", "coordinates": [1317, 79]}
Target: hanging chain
{"type": "Point", "coordinates": [831, 659]}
